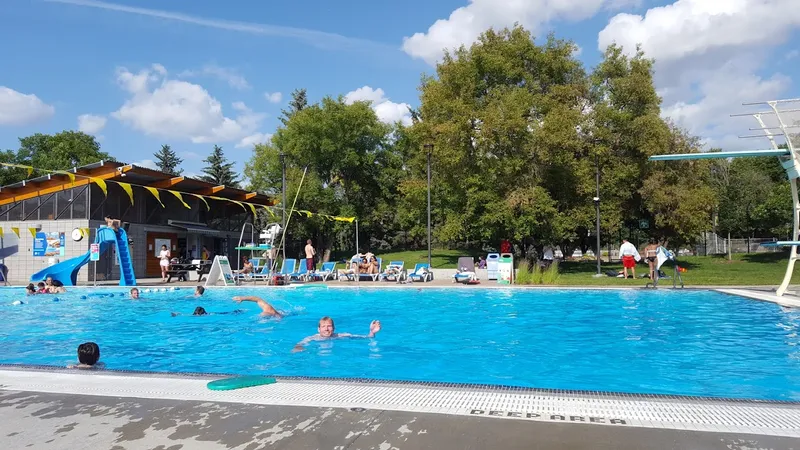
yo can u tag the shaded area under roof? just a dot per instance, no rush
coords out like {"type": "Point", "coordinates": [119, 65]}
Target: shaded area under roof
{"type": "Point", "coordinates": [125, 173]}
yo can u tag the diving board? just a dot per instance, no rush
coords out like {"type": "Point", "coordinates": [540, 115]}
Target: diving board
{"type": "Point", "coordinates": [780, 244]}
{"type": "Point", "coordinates": [717, 155]}
{"type": "Point", "coordinates": [789, 159]}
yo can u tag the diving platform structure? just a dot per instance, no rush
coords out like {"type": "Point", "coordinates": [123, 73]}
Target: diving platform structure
{"type": "Point", "coordinates": [789, 158]}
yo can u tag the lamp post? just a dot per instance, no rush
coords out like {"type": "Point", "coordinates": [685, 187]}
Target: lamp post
{"type": "Point", "coordinates": [429, 150]}
{"type": "Point", "coordinates": [597, 211]}
{"type": "Point", "coordinates": [283, 201]}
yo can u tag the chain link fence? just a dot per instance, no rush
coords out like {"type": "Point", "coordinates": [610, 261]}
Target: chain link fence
{"type": "Point", "coordinates": [714, 244]}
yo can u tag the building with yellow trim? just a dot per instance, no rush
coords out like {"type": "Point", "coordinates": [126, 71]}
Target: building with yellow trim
{"type": "Point", "coordinates": [155, 208]}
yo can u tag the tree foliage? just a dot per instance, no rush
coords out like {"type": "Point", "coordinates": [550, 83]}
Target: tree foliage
{"type": "Point", "coordinates": [168, 161]}
{"type": "Point", "coordinates": [219, 170]}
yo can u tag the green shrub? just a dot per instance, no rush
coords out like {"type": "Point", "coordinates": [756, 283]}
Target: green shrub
{"type": "Point", "coordinates": [551, 275]}
{"type": "Point", "coordinates": [524, 275]}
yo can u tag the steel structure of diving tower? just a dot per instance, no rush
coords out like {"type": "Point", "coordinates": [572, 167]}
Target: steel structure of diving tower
{"type": "Point", "coordinates": [789, 158]}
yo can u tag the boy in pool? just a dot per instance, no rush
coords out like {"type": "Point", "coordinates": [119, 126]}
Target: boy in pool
{"type": "Point", "coordinates": [266, 309]}
{"type": "Point", "coordinates": [199, 291]}
{"type": "Point", "coordinates": [88, 355]}
{"type": "Point", "coordinates": [135, 293]}
{"type": "Point", "coordinates": [200, 311]}
{"type": "Point", "coordinates": [326, 330]}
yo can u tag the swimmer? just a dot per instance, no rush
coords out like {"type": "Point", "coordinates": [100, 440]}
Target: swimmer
{"type": "Point", "coordinates": [326, 330]}
{"type": "Point", "coordinates": [88, 355]}
{"type": "Point", "coordinates": [266, 309]}
{"type": "Point", "coordinates": [199, 291]}
{"type": "Point", "coordinates": [54, 287]}
{"type": "Point", "coordinates": [200, 311]}
{"type": "Point", "coordinates": [30, 289]}
{"type": "Point", "coordinates": [135, 293]}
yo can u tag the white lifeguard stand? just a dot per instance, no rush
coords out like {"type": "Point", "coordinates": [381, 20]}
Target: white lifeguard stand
{"type": "Point", "coordinates": [789, 158]}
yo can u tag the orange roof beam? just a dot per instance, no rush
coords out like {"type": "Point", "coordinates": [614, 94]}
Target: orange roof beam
{"type": "Point", "coordinates": [167, 183]}
{"type": "Point", "coordinates": [210, 191]}
{"type": "Point", "coordinates": [33, 190]}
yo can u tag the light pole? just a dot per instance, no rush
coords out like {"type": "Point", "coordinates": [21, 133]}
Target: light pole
{"type": "Point", "coordinates": [429, 150]}
{"type": "Point", "coordinates": [597, 210]}
{"type": "Point", "coordinates": [283, 201]}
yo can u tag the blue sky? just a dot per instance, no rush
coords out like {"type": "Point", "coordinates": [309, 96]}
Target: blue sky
{"type": "Point", "coordinates": [196, 73]}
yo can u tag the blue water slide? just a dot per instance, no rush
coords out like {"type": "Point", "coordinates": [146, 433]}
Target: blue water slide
{"type": "Point", "coordinates": [67, 271]}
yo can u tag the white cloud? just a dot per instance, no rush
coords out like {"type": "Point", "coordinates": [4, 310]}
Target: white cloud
{"type": "Point", "coordinates": [695, 27]}
{"type": "Point", "coordinates": [465, 24]}
{"type": "Point", "coordinates": [19, 109]}
{"type": "Point", "coordinates": [190, 155]}
{"type": "Point", "coordinates": [227, 75]}
{"type": "Point", "coordinates": [273, 97]}
{"type": "Point", "coordinates": [319, 39]}
{"type": "Point", "coordinates": [386, 110]}
{"type": "Point", "coordinates": [148, 163]}
{"type": "Point", "coordinates": [253, 139]}
{"type": "Point", "coordinates": [179, 110]}
{"type": "Point", "coordinates": [91, 124]}
{"type": "Point", "coordinates": [709, 55]}
{"type": "Point", "coordinates": [792, 54]}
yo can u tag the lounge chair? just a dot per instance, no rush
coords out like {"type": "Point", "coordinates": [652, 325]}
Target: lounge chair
{"type": "Point", "coordinates": [466, 271]}
{"type": "Point", "coordinates": [300, 274]}
{"type": "Point", "coordinates": [287, 269]}
{"type": "Point", "coordinates": [349, 273]}
{"type": "Point", "coordinates": [421, 272]}
{"type": "Point", "coordinates": [395, 270]}
{"type": "Point", "coordinates": [328, 270]}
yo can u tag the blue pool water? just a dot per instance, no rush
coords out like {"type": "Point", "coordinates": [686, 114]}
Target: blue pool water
{"type": "Point", "coordinates": [666, 342]}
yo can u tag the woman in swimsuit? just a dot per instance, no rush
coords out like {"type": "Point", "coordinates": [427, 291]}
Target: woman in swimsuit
{"type": "Point", "coordinates": [650, 253]}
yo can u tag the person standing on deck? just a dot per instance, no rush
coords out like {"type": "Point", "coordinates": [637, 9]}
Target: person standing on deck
{"type": "Point", "coordinates": [629, 256]}
{"type": "Point", "coordinates": [310, 253]}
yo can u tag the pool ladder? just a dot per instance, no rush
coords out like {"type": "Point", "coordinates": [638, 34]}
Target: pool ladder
{"type": "Point", "coordinates": [676, 278]}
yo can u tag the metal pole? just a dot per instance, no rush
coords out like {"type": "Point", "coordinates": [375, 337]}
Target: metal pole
{"type": "Point", "coordinates": [283, 201]}
{"type": "Point", "coordinates": [429, 148]}
{"type": "Point", "coordinates": [597, 211]}
{"type": "Point", "coordinates": [356, 236]}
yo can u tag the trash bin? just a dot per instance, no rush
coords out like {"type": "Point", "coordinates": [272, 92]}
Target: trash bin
{"type": "Point", "coordinates": [505, 268]}
{"type": "Point", "coordinates": [491, 265]}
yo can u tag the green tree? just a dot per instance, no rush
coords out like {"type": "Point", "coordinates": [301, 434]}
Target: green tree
{"type": "Point", "coordinates": [61, 151]}
{"type": "Point", "coordinates": [298, 102]}
{"type": "Point", "coordinates": [219, 170]}
{"type": "Point", "coordinates": [168, 161]}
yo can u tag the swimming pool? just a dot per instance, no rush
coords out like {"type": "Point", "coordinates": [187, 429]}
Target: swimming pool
{"type": "Point", "coordinates": [687, 342]}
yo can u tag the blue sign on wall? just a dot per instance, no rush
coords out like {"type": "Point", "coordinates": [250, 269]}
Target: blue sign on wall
{"type": "Point", "coordinates": [49, 244]}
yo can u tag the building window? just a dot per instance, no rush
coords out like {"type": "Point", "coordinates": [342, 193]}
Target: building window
{"type": "Point", "coordinates": [48, 209]}
{"type": "Point", "coordinates": [30, 209]}
{"type": "Point", "coordinates": [15, 211]}
{"type": "Point", "coordinates": [79, 200]}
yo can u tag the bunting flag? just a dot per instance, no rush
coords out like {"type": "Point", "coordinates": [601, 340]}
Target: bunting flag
{"type": "Point", "coordinates": [20, 166]}
{"type": "Point", "coordinates": [1, 232]}
{"type": "Point", "coordinates": [232, 201]}
{"type": "Point", "coordinates": [72, 176]}
{"type": "Point", "coordinates": [307, 213]}
{"type": "Point", "coordinates": [86, 232]}
{"type": "Point", "coordinates": [252, 208]}
{"type": "Point", "coordinates": [155, 193]}
{"type": "Point", "coordinates": [204, 201]}
{"type": "Point", "coordinates": [15, 230]}
{"type": "Point", "coordinates": [128, 190]}
{"type": "Point", "coordinates": [179, 197]}
{"type": "Point", "coordinates": [101, 183]}
{"type": "Point", "coordinates": [269, 210]}
{"type": "Point", "coordinates": [33, 232]}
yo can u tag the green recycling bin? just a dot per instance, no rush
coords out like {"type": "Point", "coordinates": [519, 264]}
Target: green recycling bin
{"type": "Point", "coordinates": [505, 268]}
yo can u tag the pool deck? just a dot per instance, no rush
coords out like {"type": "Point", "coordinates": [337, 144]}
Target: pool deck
{"type": "Point", "coordinates": [60, 408]}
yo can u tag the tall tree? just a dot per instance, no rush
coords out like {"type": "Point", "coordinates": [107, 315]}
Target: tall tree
{"type": "Point", "coordinates": [168, 161]}
{"type": "Point", "coordinates": [298, 103]}
{"type": "Point", "coordinates": [219, 170]}
{"type": "Point", "coordinates": [60, 151]}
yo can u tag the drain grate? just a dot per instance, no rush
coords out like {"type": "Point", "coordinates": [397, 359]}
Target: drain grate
{"type": "Point", "coordinates": [765, 418]}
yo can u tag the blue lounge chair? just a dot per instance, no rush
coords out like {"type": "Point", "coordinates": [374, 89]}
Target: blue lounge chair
{"type": "Point", "coordinates": [422, 272]}
{"type": "Point", "coordinates": [328, 270]}
{"type": "Point", "coordinates": [300, 274]}
{"type": "Point", "coordinates": [466, 271]}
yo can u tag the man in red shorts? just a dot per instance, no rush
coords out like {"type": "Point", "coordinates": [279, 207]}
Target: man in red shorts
{"type": "Point", "coordinates": [629, 256]}
{"type": "Point", "coordinates": [310, 253]}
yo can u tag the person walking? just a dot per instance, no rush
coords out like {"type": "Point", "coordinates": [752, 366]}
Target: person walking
{"type": "Point", "coordinates": [310, 253]}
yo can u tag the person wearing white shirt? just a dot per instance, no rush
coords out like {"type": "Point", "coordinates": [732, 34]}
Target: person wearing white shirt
{"type": "Point", "coordinates": [629, 256]}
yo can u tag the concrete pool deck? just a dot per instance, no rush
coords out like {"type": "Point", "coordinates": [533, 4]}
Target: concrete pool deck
{"type": "Point", "coordinates": [60, 408]}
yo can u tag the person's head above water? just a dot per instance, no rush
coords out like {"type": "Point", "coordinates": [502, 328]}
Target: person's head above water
{"type": "Point", "coordinates": [88, 353]}
{"type": "Point", "coordinates": [31, 289]}
{"type": "Point", "coordinates": [199, 290]}
{"type": "Point", "coordinates": [48, 281]}
{"type": "Point", "coordinates": [135, 293]}
{"type": "Point", "coordinates": [199, 311]}
{"type": "Point", "coordinates": [326, 327]}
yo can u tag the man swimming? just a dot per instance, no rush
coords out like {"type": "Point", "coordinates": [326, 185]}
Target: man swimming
{"type": "Point", "coordinates": [200, 311]}
{"type": "Point", "coordinates": [266, 309]}
{"type": "Point", "coordinates": [199, 291]}
{"type": "Point", "coordinates": [326, 330]}
{"type": "Point", "coordinates": [135, 293]}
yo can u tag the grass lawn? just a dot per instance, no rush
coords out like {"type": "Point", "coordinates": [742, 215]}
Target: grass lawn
{"type": "Point", "coordinates": [744, 269]}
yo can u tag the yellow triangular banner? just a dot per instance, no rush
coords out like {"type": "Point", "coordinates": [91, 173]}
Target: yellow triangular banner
{"type": "Point", "coordinates": [128, 190]}
{"type": "Point", "coordinates": [20, 166]}
{"type": "Point", "coordinates": [69, 174]}
{"type": "Point", "coordinates": [232, 201]}
{"type": "Point", "coordinates": [178, 195]}
{"type": "Point", "coordinates": [86, 232]}
{"type": "Point", "coordinates": [252, 208]}
{"type": "Point", "coordinates": [1, 232]}
{"type": "Point", "coordinates": [33, 232]}
{"type": "Point", "coordinates": [155, 193]}
{"type": "Point", "coordinates": [101, 183]}
{"type": "Point", "coordinates": [15, 230]}
{"type": "Point", "coordinates": [208, 208]}
{"type": "Point", "coordinates": [269, 210]}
